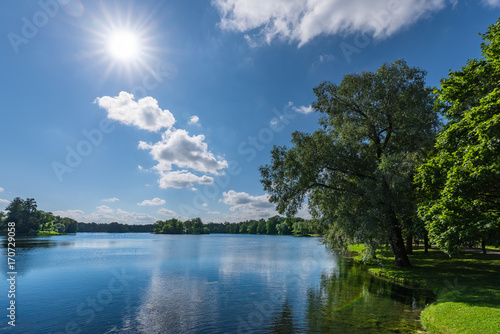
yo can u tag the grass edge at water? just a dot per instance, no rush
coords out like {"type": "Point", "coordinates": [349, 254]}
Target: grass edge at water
{"type": "Point", "coordinates": [467, 288]}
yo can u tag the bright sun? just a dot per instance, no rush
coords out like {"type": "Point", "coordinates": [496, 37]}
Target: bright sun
{"type": "Point", "coordinates": [124, 45]}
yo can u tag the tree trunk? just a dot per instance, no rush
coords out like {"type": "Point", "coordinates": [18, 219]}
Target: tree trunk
{"type": "Point", "coordinates": [426, 242]}
{"type": "Point", "coordinates": [483, 246]}
{"type": "Point", "coordinates": [395, 237]}
{"type": "Point", "coordinates": [409, 243]}
{"type": "Point", "coordinates": [397, 244]}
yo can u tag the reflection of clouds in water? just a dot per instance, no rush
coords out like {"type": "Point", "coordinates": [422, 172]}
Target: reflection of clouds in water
{"type": "Point", "coordinates": [200, 289]}
{"type": "Point", "coordinates": [276, 259]}
{"type": "Point", "coordinates": [283, 270]}
{"type": "Point", "coordinates": [176, 304]}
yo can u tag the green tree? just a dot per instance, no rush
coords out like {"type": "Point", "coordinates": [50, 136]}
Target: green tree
{"type": "Point", "coordinates": [283, 229]}
{"type": "Point", "coordinates": [252, 227]}
{"type": "Point", "coordinates": [261, 227]}
{"type": "Point", "coordinates": [300, 228]}
{"type": "Point", "coordinates": [459, 185]}
{"type": "Point", "coordinates": [243, 227]}
{"type": "Point", "coordinates": [25, 215]}
{"type": "Point", "coordinates": [59, 228]}
{"type": "Point", "coordinates": [271, 225]}
{"type": "Point", "coordinates": [47, 221]}
{"type": "Point", "coordinates": [357, 170]}
{"type": "Point", "coordinates": [72, 226]}
{"type": "Point", "coordinates": [198, 226]}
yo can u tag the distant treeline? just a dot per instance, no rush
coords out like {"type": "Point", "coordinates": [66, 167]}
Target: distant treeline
{"type": "Point", "coordinates": [273, 226]}
{"type": "Point", "coordinates": [114, 227]}
{"type": "Point", "coordinates": [30, 221]}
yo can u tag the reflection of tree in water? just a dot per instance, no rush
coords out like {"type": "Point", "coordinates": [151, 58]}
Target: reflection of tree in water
{"type": "Point", "coordinates": [23, 247]}
{"type": "Point", "coordinates": [356, 302]}
{"type": "Point", "coordinates": [283, 321]}
{"type": "Point", "coordinates": [29, 243]}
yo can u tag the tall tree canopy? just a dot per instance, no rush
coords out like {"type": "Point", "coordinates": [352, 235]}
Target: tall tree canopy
{"type": "Point", "coordinates": [460, 184]}
{"type": "Point", "coordinates": [357, 170]}
{"type": "Point", "coordinates": [25, 215]}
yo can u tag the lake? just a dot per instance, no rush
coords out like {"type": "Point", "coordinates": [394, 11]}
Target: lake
{"type": "Point", "coordinates": [145, 283]}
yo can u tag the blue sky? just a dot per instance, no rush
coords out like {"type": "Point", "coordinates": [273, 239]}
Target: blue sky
{"type": "Point", "coordinates": [134, 111]}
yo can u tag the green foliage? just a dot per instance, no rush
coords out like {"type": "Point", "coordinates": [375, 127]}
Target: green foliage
{"type": "Point", "coordinates": [175, 226]}
{"type": "Point", "coordinates": [271, 225]}
{"type": "Point", "coordinates": [357, 171]}
{"type": "Point", "coordinates": [261, 227]}
{"type": "Point", "coordinates": [300, 229]}
{"type": "Point", "coordinates": [29, 220]}
{"type": "Point", "coordinates": [252, 228]}
{"type": "Point", "coordinates": [25, 215]}
{"type": "Point", "coordinates": [71, 226]}
{"type": "Point", "coordinates": [112, 228]}
{"type": "Point", "coordinates": [47, 233]}
{"type": "Point", "coordinates": [459, 185]}
{"type": "Point", "coordinates": [467, 289]}
{"type": "Point", "coordinates": [172, 226]}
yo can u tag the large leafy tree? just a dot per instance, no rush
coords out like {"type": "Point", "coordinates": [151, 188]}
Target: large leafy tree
{"type": "Point", "coordinates": [460, 184]}
{"type": "Point", "coordinates": [357, 170]}
{"type": "Point", "coordinates": [25, 215]}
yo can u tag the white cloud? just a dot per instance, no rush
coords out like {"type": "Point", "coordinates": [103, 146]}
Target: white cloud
{"type": "Point", "coordinates": [194, 120]}
{"type": "Point", "coordinates": [167, 212]}
{"type": "Point", "coordinates": [303, 212]}
{"type": "Point", "coordinates": [1, 189]}
{"type": "Point", "coordinates": [145, 113]}
{"type": "Point", "coordinates": [106, 215]}
{"type": "Point", "coordinates": [154, 201]}
{"type": "Point", "coordinates": [303, 109]}
{"type": "Point", "coordinates": [69, 213]}
{"type": "Point", "coordinates": [237, 199]}
{"type": "Point", "coordinates": [178, 148]}
{"type": "Point", "coordinates": [302, 20]}
{"type": "Point", "coordinates": [181, 179]}
{"type": "Point", "coordinates": [4, 201]}
{"type": "Point", "coordinates": [323, 59]}
{"type": "Point", "coordinates": [213, 212]}
{"type": "Point", "coordinates": [104, 209]}
{"type": "Point", "coordinates": [171, 214]}
{"type": "Point", "coordinates": [110, 200]}
{"type": "Point", "coordinates": [326, 58]}
{"type": "Point", "coordinates": [247, 206]}
{"type": "Point", "coordinates": [492, 3]}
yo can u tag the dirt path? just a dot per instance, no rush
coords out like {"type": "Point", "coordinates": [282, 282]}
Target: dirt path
{"type": "Point", "coordinates": [479, 250]}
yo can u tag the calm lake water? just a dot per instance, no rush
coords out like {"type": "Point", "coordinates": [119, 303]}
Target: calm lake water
{"type": "Point", "coordinates": [144, 283]}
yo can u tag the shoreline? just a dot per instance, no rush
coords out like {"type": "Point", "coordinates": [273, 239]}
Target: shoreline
{"type": "Point", "coordinates": [467, 299]}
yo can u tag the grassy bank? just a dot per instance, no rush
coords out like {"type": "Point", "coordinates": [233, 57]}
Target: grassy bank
{"type": "Point", "coordinates": [43, 233]}
{"type": "Point", "coordinates": [467, 288]}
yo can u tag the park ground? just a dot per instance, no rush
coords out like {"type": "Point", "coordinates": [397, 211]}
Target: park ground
{"type": "Point", "coordinates": [467, 287]}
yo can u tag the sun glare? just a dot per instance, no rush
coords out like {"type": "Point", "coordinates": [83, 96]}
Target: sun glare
{"type": "Point", "coordinates": [122, 42]}
{"type": "Point", "coordinates": [124, 46]}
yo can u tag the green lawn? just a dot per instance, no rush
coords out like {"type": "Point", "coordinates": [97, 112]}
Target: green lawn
{"type": "Point", "coordinates": [42, 233]}
{"type": "Point", "coordinates": [467, 288]}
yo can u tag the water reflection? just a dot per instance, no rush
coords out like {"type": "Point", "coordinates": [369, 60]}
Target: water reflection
{"type": "Point", "coordinates": [356, 302]}
{"type": "Point", "coordinates": [283, 321]}
{"type": "Point", "coordinates": [203, 284]}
